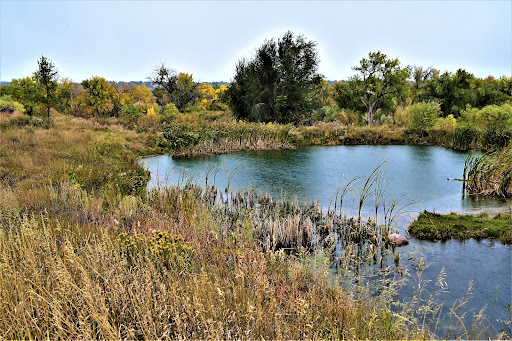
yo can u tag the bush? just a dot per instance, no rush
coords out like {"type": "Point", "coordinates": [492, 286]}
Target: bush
{"type": "Point", "coordinates": [129, 113]}
{"type": "Point", "coordinates": [494, 116]}
{"type": "Point", "coordinates": [7, 104]}
{"type": "Point", "coordinates": [170, 112]}
{"type": "Point", "coordinates": [464, 136]}
{"type": "Point", "coordinates": [497, 137]}
{"type": "Point", "coordinates": [424, 115]}
{"type": "Point", "coordinates": [446, 124]}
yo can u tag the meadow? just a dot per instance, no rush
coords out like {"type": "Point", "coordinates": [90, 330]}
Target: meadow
{"type": "Point", "coordinates": [87, 252]}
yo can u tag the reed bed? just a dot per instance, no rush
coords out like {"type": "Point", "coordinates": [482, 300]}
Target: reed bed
{"type": "Point", "coordinates": [200, 138]}
{"type": "Point", "coordinates": [489, 173]}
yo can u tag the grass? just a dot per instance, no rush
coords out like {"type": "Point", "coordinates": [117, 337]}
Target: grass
{"type": "Point", "coordinates": [433, 226]}
{"type": "Point", "coordinates": [86, 252]}
{"type": "Point", "coordinates": [489, 173]}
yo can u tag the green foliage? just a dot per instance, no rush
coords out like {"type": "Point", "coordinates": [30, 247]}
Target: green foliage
{"type": "Point", "coordinates": [424, 115]}
{"type": "Point", "coordinates": [278, 84]}
{"type": "Point", "coordinates": [100, 95]}
{"type": "Point", "coordinates": [179, 89]}
{"type": "Point", "coordinates": [497, 137]}
{"type": "Point", "coordinates": [464, 136]}
{"type": "Point", "coordinates": [25, 120]}
{"type": "Point", "coordinates": [494, 116]}
{"type": "Point", "coordinates": [129, 113]}
{"type": "Point", "coordinates": [170, 112]}
{"type": "Point", "coordinates": [433, 226]}
{"type": "Point", "coordinates": [47, 75]}
{"type": "Point", "coordinates": [27, 92]}
{"type": "Point", "coordinates": [8, 105]}
{"type": "Point", "coordinates": [489, 173]}
{"type": "Point", "coordinates": [379, 78]}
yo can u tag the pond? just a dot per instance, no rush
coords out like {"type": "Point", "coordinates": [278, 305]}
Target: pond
{"type": "Point", "coordinates": [420, 173]}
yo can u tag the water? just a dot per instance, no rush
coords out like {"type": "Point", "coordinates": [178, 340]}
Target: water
{"type": "Point", "coordinates": [418, 172]}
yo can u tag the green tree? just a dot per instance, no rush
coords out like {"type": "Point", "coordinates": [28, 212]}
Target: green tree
{"type": "Point", "coordinates": [279, 84]}
{"type": "Point", "coordinates": [100, 95]}
{"type": "Point", "coordinates": [379, 77]}
{"type": "Point", "coordinates": [27, 92]}
{"type": "Point", "coordinates": [47, 75]}
{"type": "Point", "coordinates": [180, 88]}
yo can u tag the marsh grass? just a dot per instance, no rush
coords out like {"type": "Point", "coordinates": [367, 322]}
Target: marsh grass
{"type": "Point", "coordinates": [86, 252]}
{"type": "Point", "coordinates": [489, 173]}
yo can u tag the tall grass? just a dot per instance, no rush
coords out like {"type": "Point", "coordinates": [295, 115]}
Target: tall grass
{"type": "Point", "coordinates": [171, 266]}
{"type": "Point", "coordinates": [489, 173]}
{"type": "Point", "coordinates": [84, 253]}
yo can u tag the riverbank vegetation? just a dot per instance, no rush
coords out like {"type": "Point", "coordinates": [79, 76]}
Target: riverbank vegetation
{"type": "Point", "coordinates": [87, 252]}
{"type": "Point", "coordinates": [433, 226]}
{"type": "Point", "coordinates": [383, 102]}
{"type": "Point", "coordinates": [489, 173]}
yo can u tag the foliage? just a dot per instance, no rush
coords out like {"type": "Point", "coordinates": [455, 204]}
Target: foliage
{"type": "Point", "coordinates": [8, 105]}
{"type": "Point", "coordinates": [180, 89]}
{"type": "Point", "coordinates": [47, 76]}
{"type": "Point", "coordinates": [278, 84]}
{"type": "Point", "coordinates": [27, 92]}
{"type": "Point", "coordinates": [465, 136]}
{"type": "Point", "coordinates": [424, 115]}
{"type": "Point", "coordinates": [489, 173]}
{"type": "Point", "coordinates": [100, 95]}
{"type": "Point", "coordinates": [379, 77]}
{"type": "Point", "coordinates": [210, 98]}
{"type": "Point", "coordinates": [433, 226]}
{"type": "Point", "coordinates": [346, 96]}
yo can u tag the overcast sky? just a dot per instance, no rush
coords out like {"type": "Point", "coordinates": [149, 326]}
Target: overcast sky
{"type": "Point", "coordinates": [125, 40]}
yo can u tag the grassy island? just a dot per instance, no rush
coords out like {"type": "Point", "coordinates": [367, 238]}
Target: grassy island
{"type": "Point", "coordinates": [433, 226]}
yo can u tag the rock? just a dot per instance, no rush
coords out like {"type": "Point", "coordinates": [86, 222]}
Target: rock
{"type": "Point", "coordinates": [396, 239]}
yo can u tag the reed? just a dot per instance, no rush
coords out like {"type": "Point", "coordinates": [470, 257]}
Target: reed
{"type": "Point", "coordinates": [489, 173]}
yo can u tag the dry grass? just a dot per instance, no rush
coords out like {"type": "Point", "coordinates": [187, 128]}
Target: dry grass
{"type": "Point", "coordinates": [84, 253]}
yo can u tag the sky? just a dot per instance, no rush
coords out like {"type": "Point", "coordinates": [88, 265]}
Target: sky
{"type": "Point", "coordinates": [126, 40]}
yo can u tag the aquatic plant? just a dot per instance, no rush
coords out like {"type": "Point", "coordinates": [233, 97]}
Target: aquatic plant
{"type": "Point", "coordinates": [489, 173]}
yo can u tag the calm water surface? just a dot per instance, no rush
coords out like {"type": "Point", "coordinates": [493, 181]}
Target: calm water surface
{"type": "Point", "coordinates": [420, 173]}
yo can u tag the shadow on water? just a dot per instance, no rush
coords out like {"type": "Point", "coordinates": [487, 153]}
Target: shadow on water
{"type": "Point", "coordinates": [421, 173]}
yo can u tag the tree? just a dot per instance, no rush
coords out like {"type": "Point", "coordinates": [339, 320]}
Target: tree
{"type": "Point", "coordinates": [47, 75]}
{"type": "Point", "coordinates": [100, 95]}
{"type": "Point", "coordinates": [27, 92]}
{"type": "Point", "coordinates": [279, 83]}
{"type": "Point", "coordinates": [180, 88]}
{"type": "Point", "coordinates": [378, 77]}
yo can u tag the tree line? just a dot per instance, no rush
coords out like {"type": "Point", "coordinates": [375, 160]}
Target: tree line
{"type": "Point", "coordinates": [280, 83]}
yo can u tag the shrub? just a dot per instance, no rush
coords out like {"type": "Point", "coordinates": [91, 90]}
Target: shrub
{"type": "Point", "coordinates": [170, 112]}
{"type": "Point", "coordinates": [464, 136]}
{"type": "Point", "coordinates": [494, 116]}
{"type": "Point", "coordinates": [446, 124]}
{"type": "Point", "coordinates": [497, 137]}
{"type": "Point", "coordinates": [7, 104]}
{"type": "Point", "coordinates": [129, 113]}
{"type": "Point", "coordinates": [424, 115]}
